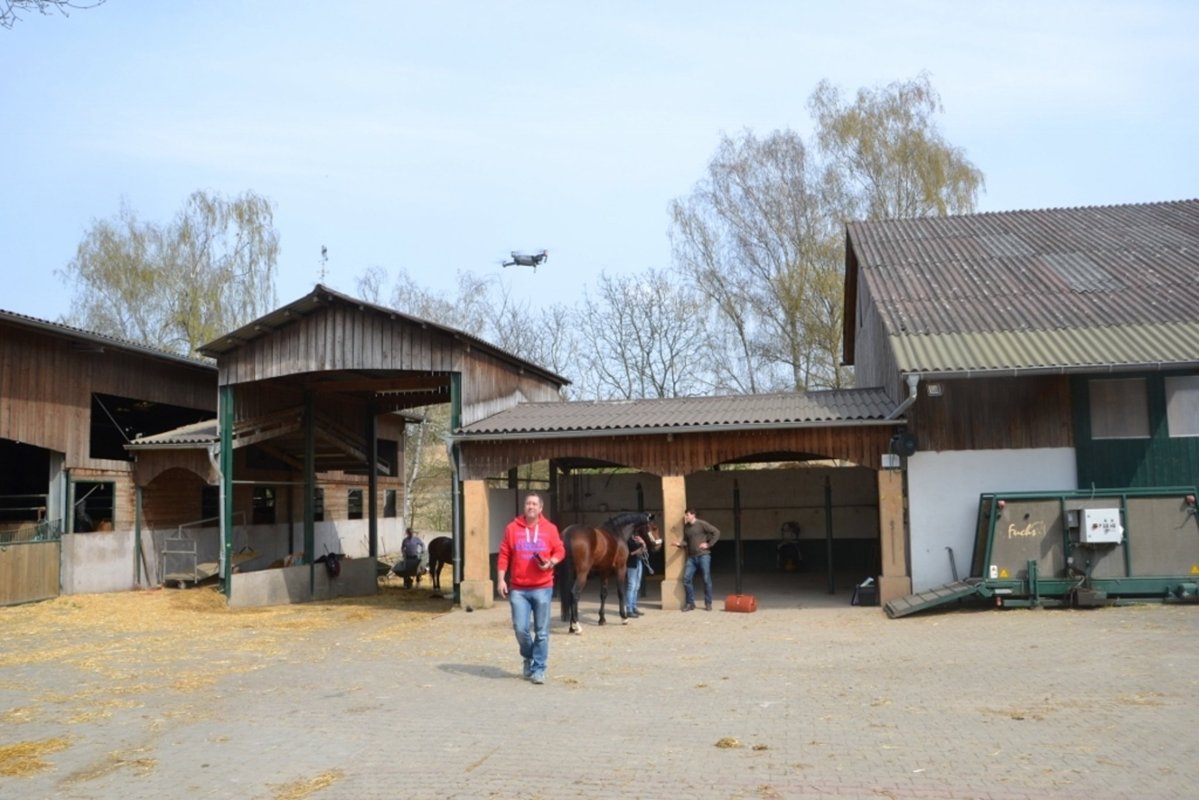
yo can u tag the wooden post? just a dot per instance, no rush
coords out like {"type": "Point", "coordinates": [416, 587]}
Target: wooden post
{"type": "Point", "coordinates": [895, 582]}
{"type": "Point", "coordinates": [477, 590]}
{"type": "Point", "coordinates": [674, 503]}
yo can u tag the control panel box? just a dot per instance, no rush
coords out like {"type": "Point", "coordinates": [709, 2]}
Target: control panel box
{"type": "Point", "coordinates": [1100, 526]}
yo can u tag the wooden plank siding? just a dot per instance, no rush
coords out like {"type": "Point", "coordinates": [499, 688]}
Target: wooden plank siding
{"type": "Point", "coordinates": [873, 360]}
{"type": "Point", "coordinates": [994, 414]}
{"type": "Point", "coordinates": [273, 370]}
{"type": "Point", "coordinates": [29, 572]}
{"type": "Point", "coordinates": [46, 388]}
{"type": "Point", "coordinates": [680, 454]}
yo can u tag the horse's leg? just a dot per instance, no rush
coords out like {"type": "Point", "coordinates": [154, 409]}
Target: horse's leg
{"type": "Point", "coordinates": [622, 577]}
{"type": "Point", "coordinates": [603, 597]}
{"type": "Point", "coordinates": [575, 591]}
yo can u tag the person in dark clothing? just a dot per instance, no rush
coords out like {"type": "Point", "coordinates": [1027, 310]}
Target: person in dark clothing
{"type": "Point", "coordinates": [637, 564]}
{"type": "Point", "coordinates": [698, 538]}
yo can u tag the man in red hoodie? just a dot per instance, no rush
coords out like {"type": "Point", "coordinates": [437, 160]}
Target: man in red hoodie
{"type": "Point", "coordinates": [530, 550]}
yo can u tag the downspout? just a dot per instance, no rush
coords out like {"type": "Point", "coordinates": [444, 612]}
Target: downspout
{"type": "Point", "coordinates": [913, 382]}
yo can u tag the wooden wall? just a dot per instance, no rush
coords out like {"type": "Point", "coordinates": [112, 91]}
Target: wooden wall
{"type": "Point", "coordinates": [681, 454]}
{"type": "Point", "coordinates": [46, 387]}
{"type": "Point", "coordinates": [994, 414]}
{"type": "Point", "coordinates": [342, 337]}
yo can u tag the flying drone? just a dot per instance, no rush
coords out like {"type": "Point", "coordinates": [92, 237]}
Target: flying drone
{"type": "Point", "coordinates": [533, 260]}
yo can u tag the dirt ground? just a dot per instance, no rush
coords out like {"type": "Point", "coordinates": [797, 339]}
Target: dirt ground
{"type": "Point", "coordinates": [136, 643]}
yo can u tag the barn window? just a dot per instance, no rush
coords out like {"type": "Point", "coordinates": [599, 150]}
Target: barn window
{"type": "Point", "coordinates": [210, 502]}
{"type": "Point", "coordinates": [318, 505]}
{"type": "Point", "coordinates": [354, 504]}
{"type": "Point", "coordinates": [1182, 405]}
{"type": "Point", "coordinates": [389, 503]}
{"type": "Point", "coordinates": [1119, 408]}
{"type": "Point", "coordinates": [93, 507]}
{"type": "Point", "coordinates": [116, 421]}
{"type": "Point", "coordinates": [264, 505]}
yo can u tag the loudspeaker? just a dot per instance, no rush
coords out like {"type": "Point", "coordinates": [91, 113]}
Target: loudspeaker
{"type": "Point", "coordinates": [903, 444]}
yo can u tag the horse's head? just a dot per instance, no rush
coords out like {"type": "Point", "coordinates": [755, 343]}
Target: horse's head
{"type": "Point", "coordinates": [637, 523]}
{"type": "Point", "coordinates": [648, 530]}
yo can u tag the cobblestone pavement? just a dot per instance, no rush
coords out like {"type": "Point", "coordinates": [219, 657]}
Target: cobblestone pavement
{"type": "Point", "coordinates": [807, 697]}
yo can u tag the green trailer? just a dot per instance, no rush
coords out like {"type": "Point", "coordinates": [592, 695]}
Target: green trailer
{"type": "Point", "coordinates": [1079, 549]}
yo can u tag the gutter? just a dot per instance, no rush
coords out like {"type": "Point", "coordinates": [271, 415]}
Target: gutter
{"type": "Point", "coordinates": [1016, 372]}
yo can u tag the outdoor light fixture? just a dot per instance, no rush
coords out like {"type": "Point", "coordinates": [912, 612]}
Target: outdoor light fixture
{"type": "Point", "coordinates": [934, 390]}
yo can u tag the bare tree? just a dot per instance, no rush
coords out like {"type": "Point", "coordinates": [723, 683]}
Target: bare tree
{"type": "Point", "coordinates": [645, 338]}
{"type": "Point", "coordinates": [370, 285]}
{"type": "Point", "coordinates": [181, 285]}
{"type": "Point", "coordinates": [11, 10]}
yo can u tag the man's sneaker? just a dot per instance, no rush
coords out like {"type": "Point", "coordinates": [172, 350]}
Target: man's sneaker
{"type": "Point", "coordinates": [528, 670]}
{"type": "Point", "coordinates": [689, 607]}
{"type": "Point", "coordinates": [707, 606]}
{"type": "Point", "coordinates": [538, 678]}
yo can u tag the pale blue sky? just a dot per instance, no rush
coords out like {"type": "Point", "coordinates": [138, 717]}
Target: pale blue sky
{"type": "Point", "coordinates": [440, 136]}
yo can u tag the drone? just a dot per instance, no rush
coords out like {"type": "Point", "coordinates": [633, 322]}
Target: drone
{"type": "Point", "coordinates": [533, 260]}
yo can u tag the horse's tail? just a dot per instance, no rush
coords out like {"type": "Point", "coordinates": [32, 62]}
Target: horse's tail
{"type": "Point", "coordinates": [564, 579]}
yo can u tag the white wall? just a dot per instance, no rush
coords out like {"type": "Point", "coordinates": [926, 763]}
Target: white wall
{"type": "Point", "coordinates": [943, 492]}
{"type": "Point", "coordinates": [103, 561]}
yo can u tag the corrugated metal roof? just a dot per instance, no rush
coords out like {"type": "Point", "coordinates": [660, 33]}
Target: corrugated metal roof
{"type": "Point", "coordinates": [187, 436]}
{"type": "Point", "coordinates": [89, 341]}
{"type": "Point", "coordinates": [1058, 288]}
{"type": "Point", "coordinates": [789, 409]}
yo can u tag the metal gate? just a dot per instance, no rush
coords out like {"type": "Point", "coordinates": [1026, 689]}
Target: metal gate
{"type": "Point", "coordinates": [29, 563]}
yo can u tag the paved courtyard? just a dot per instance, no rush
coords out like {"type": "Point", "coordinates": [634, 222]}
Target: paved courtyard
{"type": "Point", "coordinates": [807, 697]}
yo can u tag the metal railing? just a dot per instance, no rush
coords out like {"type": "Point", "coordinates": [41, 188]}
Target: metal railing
{"type": "Point", "coordinates": [47, 530]}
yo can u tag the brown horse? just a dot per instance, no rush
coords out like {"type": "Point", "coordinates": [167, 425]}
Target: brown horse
{"type": "Point", "coordinates": [604, 552]}
{"type": "Point", "coordinates": [441, 552]}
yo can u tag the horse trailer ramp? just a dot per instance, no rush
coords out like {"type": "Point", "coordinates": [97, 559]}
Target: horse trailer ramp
{"type": "Point", "coordinates": [932, 598]}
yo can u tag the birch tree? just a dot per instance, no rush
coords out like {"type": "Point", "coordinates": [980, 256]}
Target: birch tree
{"type": "Point", "coordinates": [180, 285]}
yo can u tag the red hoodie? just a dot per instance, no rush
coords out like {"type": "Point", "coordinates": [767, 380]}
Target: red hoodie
{"type": "Point", "coordinates": [519, 547]}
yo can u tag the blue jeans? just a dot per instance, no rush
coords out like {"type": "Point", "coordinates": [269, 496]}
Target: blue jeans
{"type": "Point", "coordinates": [633, 584]}
{"type": "Point", "coordinates": [703, 563]}
{"type": "Point", "coordinates": [534, 644]}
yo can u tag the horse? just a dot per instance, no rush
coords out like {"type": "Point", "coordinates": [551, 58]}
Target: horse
{"type": "Point", "coordinates": [604, 551]}
{"type": "Point", "coordinates": [441, 552]}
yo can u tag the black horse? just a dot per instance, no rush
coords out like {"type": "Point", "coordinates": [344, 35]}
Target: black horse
{"type": "Point", "coordinates": [441, 552]}
{"type": "Point", "coordinates": [603, 551]}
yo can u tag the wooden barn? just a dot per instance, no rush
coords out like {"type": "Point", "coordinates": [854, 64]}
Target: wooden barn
{"type": "Point", "coordinates": [69, 403]}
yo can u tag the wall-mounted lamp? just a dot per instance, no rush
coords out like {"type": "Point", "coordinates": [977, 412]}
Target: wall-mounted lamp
{"type": "Point", "coordinates": [934, 389]}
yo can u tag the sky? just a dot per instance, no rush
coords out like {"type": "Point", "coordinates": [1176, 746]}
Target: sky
{"type": "Point", "coordinates": [439, 137]}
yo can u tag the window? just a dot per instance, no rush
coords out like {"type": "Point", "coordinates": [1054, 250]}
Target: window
{"type": "Point", "coordinates": [1119, 409]}
{"type": "Point", "coordinates": [354, 504]}
{"type": "Point", "coordinates": [389, 503]}
{"type": "Point", "coordinates": [1182, 405]}
{"type": "Point", "coordinates": [264, 505]}
{"type": "Point", "coordinates": [93, 507]}
{"type": "Point", "coordinates": [210, 502]}
{"type": "Point", "coordinates": [318, 505]}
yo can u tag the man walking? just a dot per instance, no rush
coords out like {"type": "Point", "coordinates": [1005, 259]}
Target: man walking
{"type": "Point", "coordinates": [530, 549]}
